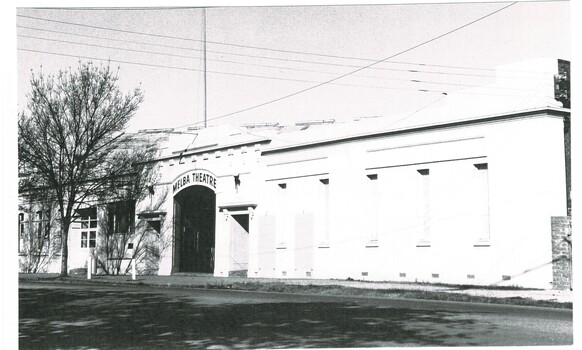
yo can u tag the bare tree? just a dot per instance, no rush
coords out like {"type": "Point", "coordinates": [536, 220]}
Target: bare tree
{"type": "Point", "coordinates": [74, 123]}
{"type": "Point", "coordinates": [148, 242]}
{"type": "Point", "coordinates": [38, 230]}
{"type": "Point", "coordinates": [116, 226]}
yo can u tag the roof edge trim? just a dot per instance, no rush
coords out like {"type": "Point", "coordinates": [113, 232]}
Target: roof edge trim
{"type": "Point", "coordinates": [488, 119]}
{"type": "Point", "coordinates": [207, 150]}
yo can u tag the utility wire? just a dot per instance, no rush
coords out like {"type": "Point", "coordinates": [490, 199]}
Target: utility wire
{"type": "Point", "coordinates": [216, 72]}
{"type": "Point", "coordinates": [254, 47]}
{"type": "Point", "coordinates": [316, 62]}
{"type": "Point", "coordinates": [109, 60]}
{"type": "Point", "coordinates": [359, 69]}
{"type": "Point", "coordinates": [104, 46]}
{"type": "Point", "coordinates": [254, 64]}
{"type": "Point", "coordinates": [105, 38]}
{"type": "Point", "coordinates": [262, 76]}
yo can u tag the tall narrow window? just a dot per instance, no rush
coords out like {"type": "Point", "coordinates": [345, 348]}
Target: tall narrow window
{"type": "Point", "coordinates": [482, 204]}
{"type": "Point", "coordinates": [42, 230]}
{"type": "Point", "coordinates": [283, 215]}
{"type": "Point", "coordinates": [20, 231]}
{"type": "Point", "coordinates": [325, 210]}
{"type": "Point", "coordinates": [88, 228]}
{"type": "Point", "coordinates": [424, 207]}
{"type": "Point", "coordinates": [47, 225]}
{"type": "Point", "coordinates": [39, 231]}
{"type": "Point", "coordinates": [373, 210]}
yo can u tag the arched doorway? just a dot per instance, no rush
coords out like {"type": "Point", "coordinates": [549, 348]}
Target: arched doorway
{"type": "Point", "coordinates": [194, 229]}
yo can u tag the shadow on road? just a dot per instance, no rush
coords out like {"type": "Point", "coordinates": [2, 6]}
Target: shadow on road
{"type": "Point", "coordinates": [125, 319]}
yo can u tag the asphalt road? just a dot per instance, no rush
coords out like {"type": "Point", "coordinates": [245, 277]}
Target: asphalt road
{"type": "Point", "coordinates": [132, 317]}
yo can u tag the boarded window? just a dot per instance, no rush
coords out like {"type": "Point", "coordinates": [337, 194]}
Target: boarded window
{"type": "Point", "coordinates": [481, 210]}
{"type": "Point", "coordinates": [424, 205]}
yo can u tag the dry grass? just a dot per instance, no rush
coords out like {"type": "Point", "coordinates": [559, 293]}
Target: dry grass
{"type": "Point", "coordinates": [277, 287]}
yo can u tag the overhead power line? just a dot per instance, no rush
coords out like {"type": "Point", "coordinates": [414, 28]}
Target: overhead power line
{"type": "Point", "coordinates": [106, 38]}
{"type": "Point", "coordinates": [105, 46]}
{"type": "Point", "coordinates": [252, 64]}
{"type": "Point", "coordinates": [274, 78]}
{"type": "Point", "coordinates": [260, 57]}
{"type": "Point", "coordinates": [362, 68]}
{"type": "Point", "coordinates": [218, 72]}
{"type": "Point", "coordinates": [108, 60]}
{"type": "Point", "coordinates": [255, 47]}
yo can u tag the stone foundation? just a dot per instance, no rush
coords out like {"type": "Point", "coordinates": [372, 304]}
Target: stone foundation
{"type": "Point", "coordinates": [562, 252]}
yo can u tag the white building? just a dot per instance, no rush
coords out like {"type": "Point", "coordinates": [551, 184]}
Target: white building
{"type": "Point", "coordinates": [460, 192]}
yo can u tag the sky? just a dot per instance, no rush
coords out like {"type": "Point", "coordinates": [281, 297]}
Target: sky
{"type": "Point", "coordinates": [257, 56]}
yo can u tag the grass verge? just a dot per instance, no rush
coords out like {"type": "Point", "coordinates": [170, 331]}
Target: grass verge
{"type": "Point", "coordinates": [276, 287]}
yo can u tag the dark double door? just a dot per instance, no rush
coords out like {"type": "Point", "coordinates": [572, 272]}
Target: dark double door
{"type": "Point", "coordinates": [194, 230]}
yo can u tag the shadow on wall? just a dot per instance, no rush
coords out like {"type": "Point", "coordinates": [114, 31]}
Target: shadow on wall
{"type": "Point", "coordinates": [119, 319]}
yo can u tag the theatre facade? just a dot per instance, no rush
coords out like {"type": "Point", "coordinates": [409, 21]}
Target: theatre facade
{"type": "Point", "coordinates": [445, 197]}
{"type": "Point", "coordinates": [468, 202]}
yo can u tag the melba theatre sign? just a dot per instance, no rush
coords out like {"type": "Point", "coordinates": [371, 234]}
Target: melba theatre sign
{"type": "Point", "coordinates": [193, 178]}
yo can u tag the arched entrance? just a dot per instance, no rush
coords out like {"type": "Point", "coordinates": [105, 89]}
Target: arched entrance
{"type": "Point", "coordinates": [194, 229]}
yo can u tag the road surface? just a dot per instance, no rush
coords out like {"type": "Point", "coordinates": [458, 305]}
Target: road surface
{"type": "Point", "coordinates": [133, 317]}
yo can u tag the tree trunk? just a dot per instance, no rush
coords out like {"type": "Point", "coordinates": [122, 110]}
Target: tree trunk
{"type": "Point", "coordinates": [64, 247]}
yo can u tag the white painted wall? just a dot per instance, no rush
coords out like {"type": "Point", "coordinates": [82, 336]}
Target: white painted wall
{"type": "Point", "coordinates": [526, 187]}
{"type": "Point", "coordinates": [375, 229]}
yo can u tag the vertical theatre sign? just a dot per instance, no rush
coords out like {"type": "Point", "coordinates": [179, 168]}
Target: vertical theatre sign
{"type": "Point", "coordinates": [193, 178]}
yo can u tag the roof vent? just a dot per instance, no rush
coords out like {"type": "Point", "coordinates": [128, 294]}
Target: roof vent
{"type": "Point", "coordinates": [259, 125]}
{"type": "Point", "coordinates": [367, 117]}
{"type": "Point", "coordinates": [315, 122]}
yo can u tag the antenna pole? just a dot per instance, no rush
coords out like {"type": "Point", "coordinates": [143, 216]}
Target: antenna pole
{"type": "Point", "coordinates": [204, 50]}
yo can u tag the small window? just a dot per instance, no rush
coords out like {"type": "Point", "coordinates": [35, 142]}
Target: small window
{"type": "Point", "coordinates": [88, 239]}
{"type": "Point", "coordinates": [121, 217]}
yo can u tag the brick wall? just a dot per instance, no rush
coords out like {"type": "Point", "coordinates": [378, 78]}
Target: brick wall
{"type": "Point", "coordinates": [562, 252]}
